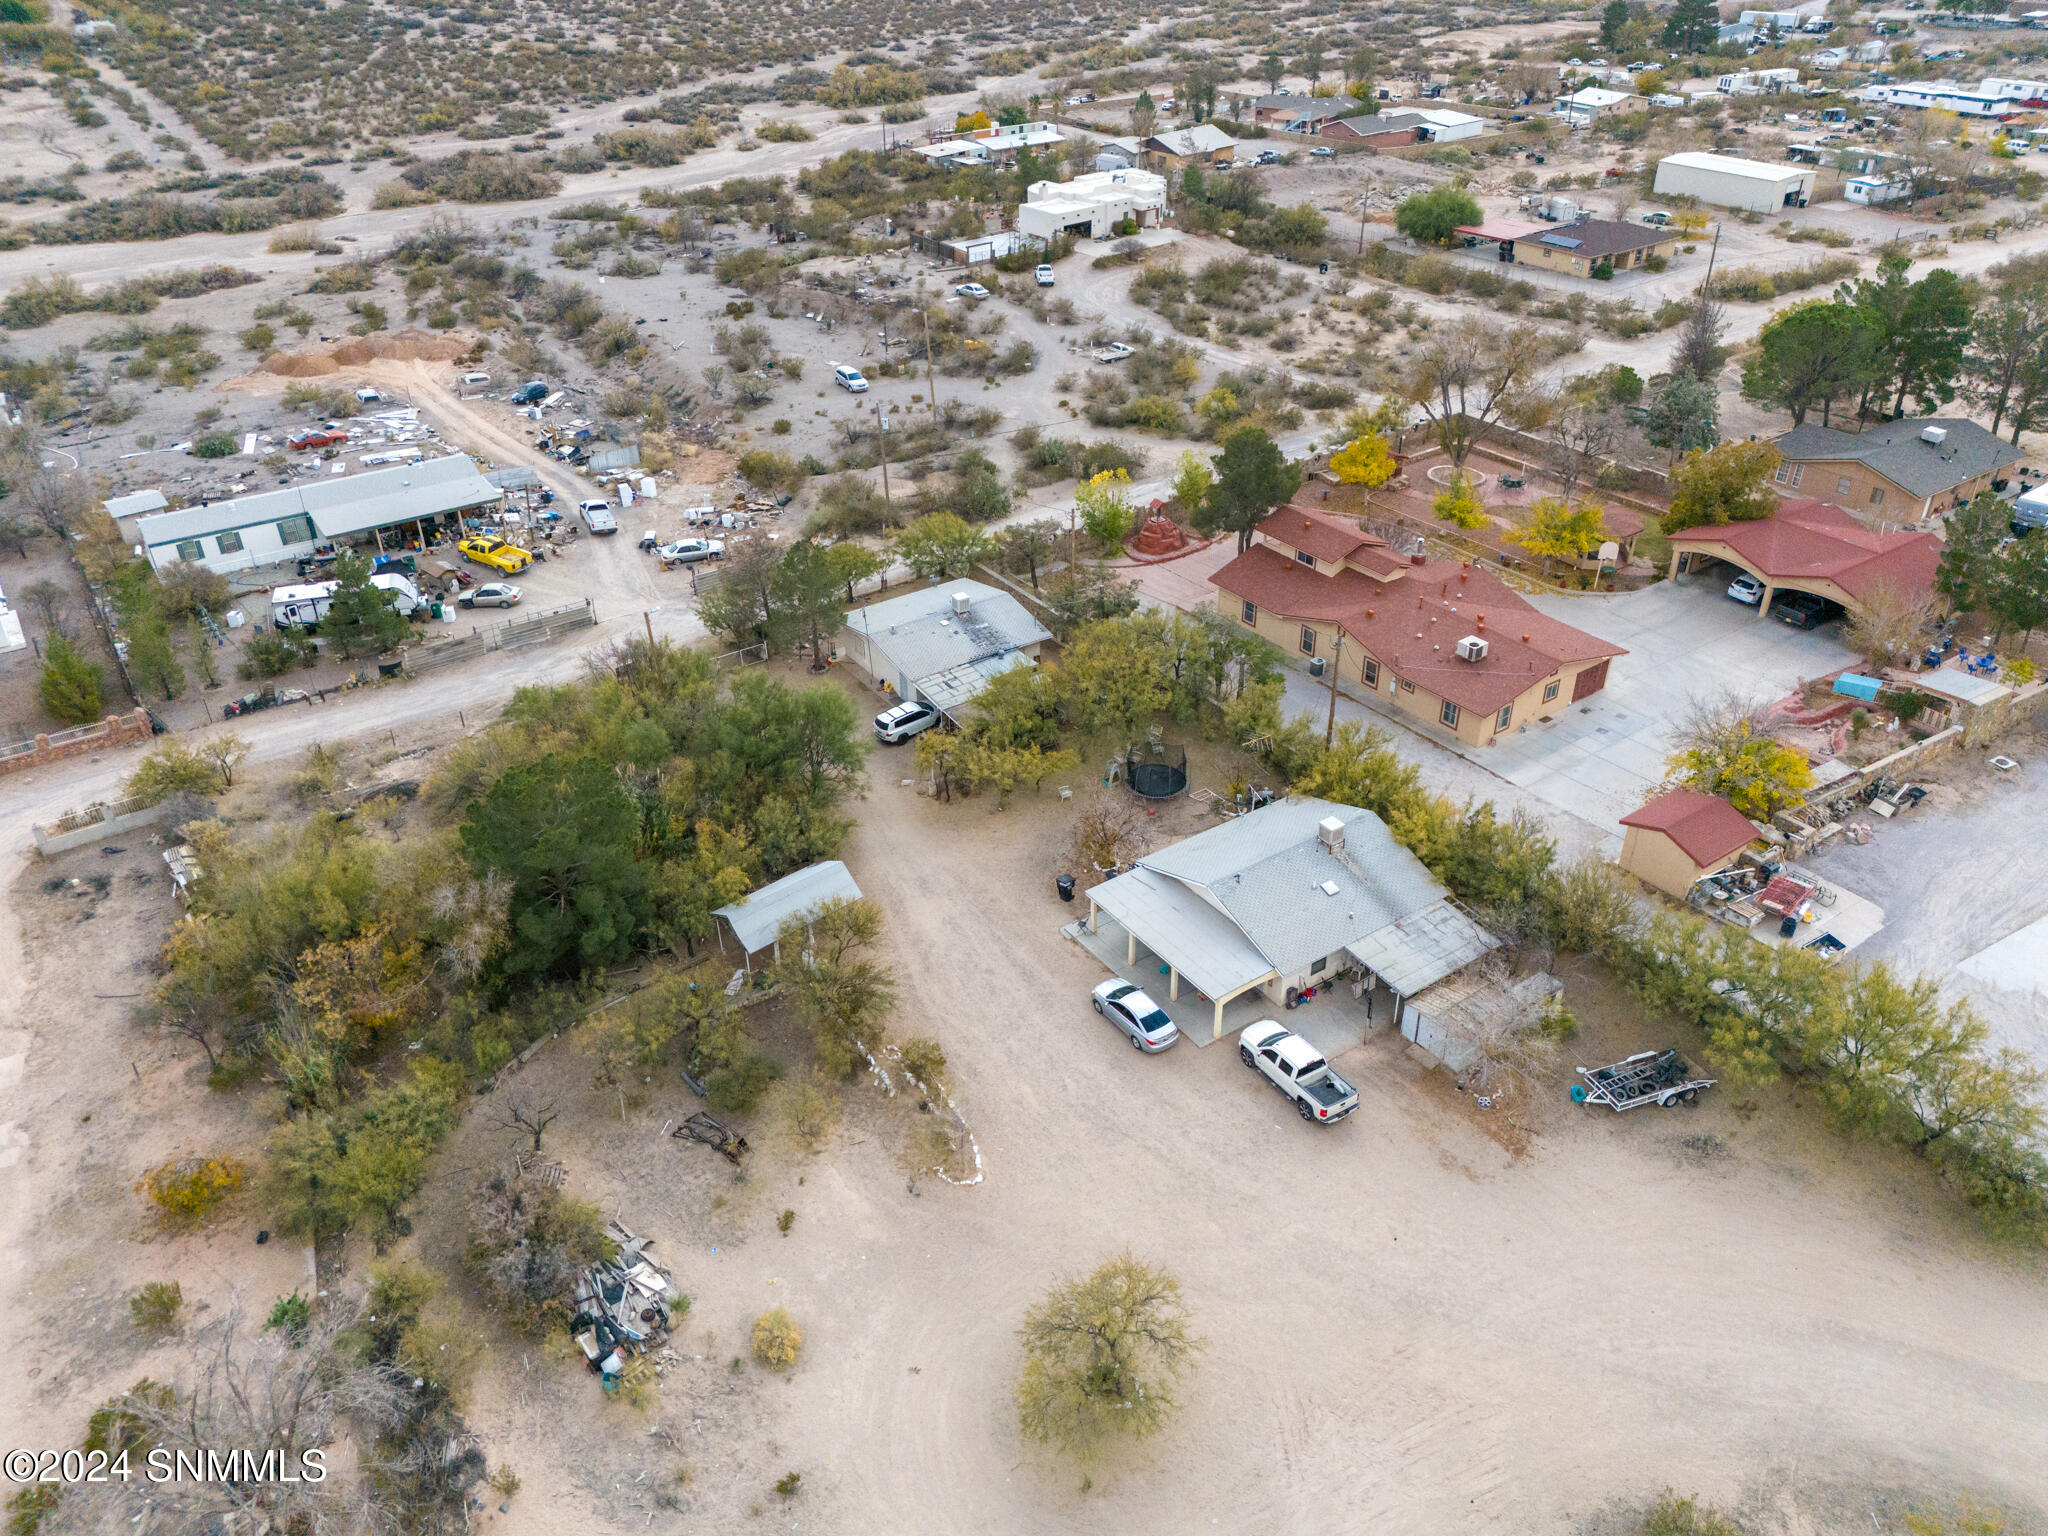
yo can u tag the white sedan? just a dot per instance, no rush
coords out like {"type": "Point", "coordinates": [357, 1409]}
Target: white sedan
{"type": "Point", "coordinates": [971, 291]}
{"type": "Point", "coordinates": [492, 594]}
{"type": "Point", "coordinates": [1143, 1021]}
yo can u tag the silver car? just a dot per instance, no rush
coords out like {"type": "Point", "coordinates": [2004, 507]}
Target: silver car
{"type": "Point", "coordinates": [492, 594]}
{"type": "Point", "coordinates": [1143, 1021]}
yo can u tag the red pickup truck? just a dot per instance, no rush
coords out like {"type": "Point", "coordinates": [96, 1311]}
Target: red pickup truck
{"type": "Point", "coordinates": [320, 437]}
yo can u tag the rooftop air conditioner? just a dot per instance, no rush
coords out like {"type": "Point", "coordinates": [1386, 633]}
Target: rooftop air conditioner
{"type": "Point", "coordinates": [1935, 435]}
{"type": "Point", "coordinates": [1472, 648]}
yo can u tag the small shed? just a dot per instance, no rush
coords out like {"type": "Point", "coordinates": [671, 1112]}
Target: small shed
{"type": "Point", "coordinates": [756, 921]}
{"type": "Point", "coordinates": [1681, 837]}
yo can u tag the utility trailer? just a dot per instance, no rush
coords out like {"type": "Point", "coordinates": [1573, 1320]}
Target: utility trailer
{"type": "Point", "coordinates": [1648, 1077]}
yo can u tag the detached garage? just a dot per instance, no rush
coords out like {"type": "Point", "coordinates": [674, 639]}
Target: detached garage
{"type": "Point", "coordinates": [1728, 181]}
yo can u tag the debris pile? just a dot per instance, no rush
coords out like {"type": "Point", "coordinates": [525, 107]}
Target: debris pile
{"type": "Point", "coordinates": [620, 1307]}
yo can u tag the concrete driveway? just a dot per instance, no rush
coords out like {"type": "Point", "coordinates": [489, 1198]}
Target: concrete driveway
{"type": "Point", "coordinates": [1601, 758]}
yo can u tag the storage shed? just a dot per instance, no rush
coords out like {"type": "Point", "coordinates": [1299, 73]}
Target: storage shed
{"type": "Point", "coordinates": [1681, 837]}
{"type": "Point", "coordinates": [756, 921]}
{"type": "Point", "coordinates": [1728, 181]}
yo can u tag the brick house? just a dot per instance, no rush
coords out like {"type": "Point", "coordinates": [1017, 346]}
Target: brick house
{"type": "Point", "coordinates": [1450, 645]}
{"type": "Point", "coordinates": [1896, 471]}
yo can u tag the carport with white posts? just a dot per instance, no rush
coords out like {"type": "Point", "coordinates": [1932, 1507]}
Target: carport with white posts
{"type": "Point", "coordinates": [1195, 942]}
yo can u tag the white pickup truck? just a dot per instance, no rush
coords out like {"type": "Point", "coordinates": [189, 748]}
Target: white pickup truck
{"type": "Point", "coordinates": [1298, 1070]}
{"type": "Point", "coordinates": [1115, 352]}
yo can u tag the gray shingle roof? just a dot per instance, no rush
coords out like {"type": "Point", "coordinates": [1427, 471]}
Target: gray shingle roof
{"type": "Point", "coordinates": [339, 506]}
{"type": "Point", "coordinates": [1894, 450]}
{"type": "Point", "coordinates": [921, 635]}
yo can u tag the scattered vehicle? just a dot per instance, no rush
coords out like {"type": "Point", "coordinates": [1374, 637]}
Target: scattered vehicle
{"type": "Point", "coordinates": [1115, 352]}
{"type": "Point", "coordinates": [897, 725]}
{"type": "Point", "coordinates": [597, 516]}
{"type": "Point", "coordinates": [492, 594]}
{"type": "Point", "coordinates": [498, 554]}
{"type": "Point", "coordinates": [1043, 272]}
{"type": "Point", "coordinates": [368, 396]}
{"type": "Point", "coordinates": [1266, 157]}
{"type": "Point", "coordinates": [1803, 610]}
{"type": "Point", "coordinates": [1297, 1069]}
{"type": "Point", "coordinates": [852, 380]}
{"type": "Point", "coordinates": [317, 437]}
{"type": "Point", "coordinates": [1657, 218]}
{"type": "Point", "coordinates": [1143, 1021]}
{"type": "Point", "coordinates": [475, 380]}
{"type": "Point", "coordinates": [1746, 589]}
{"type": "Point", "coordinates": [1649, 1077]}
{"type": "Point", "coordinates": [971, 291]}
{"type": "Point", "coordinates": [530, 393]}
{"type": "Point", "coordinates": [1322, 152]}
{"type": "Point", "coordinates": [692, 551]}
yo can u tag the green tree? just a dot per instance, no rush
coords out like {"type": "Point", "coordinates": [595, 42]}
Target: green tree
{"type": "Point", "coordinates": [327, 1171]}
{"type": "Point", "coordinates": [361, 620]}
{"type": "Point", "coordinates": [1459, 505]}
{"type": "Point", "coordinates": [1027, 547]}
{"type": "Point", "coordinates": [1192, 478]}
{"type": "Point", "coordinates": [152, 659]}
{"type": "Point", "coordinates": [1920, 328]}
{"type": "Point", "coordinates": [1682, 415]}
{"type": "Point", "coordinates": [939, 546]}
{"type": "Point", "coordinates": [841, 989]}
{"type": "Point", "coordinates": [1104, 503]}
{"type": "Point", "coordinates": [1968, 572]}
{"type": "Point", "coordinates": [564, 832]}
{"type": "Point", "coordinates": [1113, 677]}
{"type": "Point", "coordinates": [70, 684]}
{"type": "Point", "coordinates": [1613, 22]}
{"type": "Point", "coordinates": [811, 582]}
{"type": "Point", "coordinates": [1103, 1356]}
{"type": "Point", "coordinates": [1693, 26]}
{"type": "Point", "coordinates": [1729, 484]}
{"type": "Point", "coordinates": [1810, 354]}
{"type": "Point", "coordinates": [1274, 69]}
{"type": "Point", "coordinates": [1433, 217]}
{"type": "Point", "coordinates": [1557, 531]}
{"type": "Point", "coordinates": [1252, 478]}
{"type": "Point", "coordinates": [2009, 337]}
{"type": "Point", "coordinates": [1361, 73]}
{"type": "Point", "coordinates": [2019, 588]}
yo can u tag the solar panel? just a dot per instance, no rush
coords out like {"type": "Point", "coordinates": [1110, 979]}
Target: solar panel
{"type": "Point", "coordinates": [1564, 241]}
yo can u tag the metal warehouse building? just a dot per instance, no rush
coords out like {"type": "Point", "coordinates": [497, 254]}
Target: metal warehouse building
{"type": "Point", "coordinates": [1727, 181]}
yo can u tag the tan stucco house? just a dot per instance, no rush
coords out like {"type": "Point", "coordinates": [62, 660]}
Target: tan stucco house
{"type": "Point", "coordinates": [1681, 837]}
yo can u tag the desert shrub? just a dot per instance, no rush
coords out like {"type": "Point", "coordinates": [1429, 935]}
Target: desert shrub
{"type": "Point", "coordinates": [185, 591]}
{"type": "Point", "coordinates": [273, 655]}
{"type": "Point", "coordinates": [347, 277]}
{"type": "Point", "coordinates": [187, 1190]}
{"type": "Point", "coordinates": [527, 1243]}
{"type": "Point", "coordinates": [736, 1089]}
{"type": "Point", "coordinates": [172, 769]}
{"type": "Point", "coordinates": [773, 132]}
{"type": "Point", "coordinates": [778, 1341]}
{"type": "Point", "coordinates": [215, 445]}
{"type": "Point", "coordinates": [476, 176]}
{"type": "Point", "coordinates": [155, 1306]}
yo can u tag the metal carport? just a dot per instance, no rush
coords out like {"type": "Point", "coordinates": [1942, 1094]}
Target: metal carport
{"type": "Point", "coordinates": [1194, 939]}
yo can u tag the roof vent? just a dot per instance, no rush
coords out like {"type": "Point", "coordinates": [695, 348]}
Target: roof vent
{"type": "Point", "coordinates": [1472, 648]}
{"type": "Point", "coordinates": [1330, 833]}
{"type": "Point", "coordinates": [1329, 887]}
{"type": "Point", "coordinates": [960, 604]}
{"type": "Point", "coordinates": [1934, 435]}
{"type": "Point", "coordinates": [1418, 558]}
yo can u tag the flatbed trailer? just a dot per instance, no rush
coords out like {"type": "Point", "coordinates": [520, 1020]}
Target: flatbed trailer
{"type": "Point", "coordinates": [1649, 1077]}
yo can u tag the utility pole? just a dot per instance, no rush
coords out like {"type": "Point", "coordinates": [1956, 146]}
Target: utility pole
{"type": "Point", "coordinates": [931, 379]}
{"type": "Point", "coordinates": [882, 447]}
{"type": "Point", "coordinates": [1330, 728]}
{"type": "Point", "coordinates": [1361, 223]}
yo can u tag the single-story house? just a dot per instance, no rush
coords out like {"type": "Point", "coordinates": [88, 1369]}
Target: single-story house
{"type": "Point", "coordinates": [1287, 897]}
{"type": "Point", "coordinates": [1903, 471]}
{"type": "Point", "coordinates": [1118, 154]}
{"type": "Point", "coordinates": [274, 526]}
{"type": "Point", "coordinates": [976, 250]}
{"type": "Point", "coordinates": [1382, 130]}
{"type": "Point", "coordinates": [1091, 205]}
{"type": "Point", "coordinates": [1730, 181]}
{"type": "Point", "coordinates": [990, 146]}
{"type": "Point", "coordinates": [1681, 837]}
{"type": "Point", "coordinates": [943, 644]}
{"type": "Point", "coordinates": [757, 919]}
{"type": "Point", "coordinates": [1576, 248]}
{"type": "Point", "coordinates": [1594, 102]}
{"type": "Point", "coordinates": [1203, 144]}
{"type": "Point", "coordinates": [126, 511]}
{"type": "Point", "coordinates": [1810, 546]}
{"type": "Point", "coordinates": [1286, 109]}
{"type": "Point", "coordinates": [1449, 644]}
{"type": "Point", "coordinates": [1440, 125]}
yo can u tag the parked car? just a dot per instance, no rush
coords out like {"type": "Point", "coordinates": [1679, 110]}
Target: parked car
{"type": "Point", "coordinates": [489, 549]}
{"type": "Point", "coordinates": [1298, 1070]}
{"type": "Point", "coordinates": [852, 380]}
{"type": "Point", "coordinates": [492, 594]}
{"type": "Point", "coordinates": [1115, 352]}
{"type": "Point", "coordinates": [1043, 272]}
{"type": "Point", "coordinates": [1143, 1021]}
{"type": "Point", "coordinates": [597, 516]}
{"type": "Point", "coordinates": [1803, 610]}
{"type": "Point", "coordinates": [1322, 152]}
{"type": "Point", "coordinates": [531, 393]}
{"type": "Point", "coordinates": [368, 396]}
{"type": "Point", "coordinates": [897, 725]}
{"type": "Point", "coordinates": [971, 291]}
{"type": "Point", "coordinates": [1657, 218]}
{"type": "Point", "coordinates": [692, 551]}
{"type": "Point", "coordinates": [317, 437]}
{"type": "Point", "coordinates": [1746, 589]}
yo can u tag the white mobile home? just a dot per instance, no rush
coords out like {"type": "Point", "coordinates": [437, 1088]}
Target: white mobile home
{"type": "Point", "coordinates": [1727, 181]}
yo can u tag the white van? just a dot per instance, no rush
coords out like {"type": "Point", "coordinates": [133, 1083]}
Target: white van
{"type": "Point", "coordinates": [852, 380]}
{"type": "Point", "coordinates": [475, 380]}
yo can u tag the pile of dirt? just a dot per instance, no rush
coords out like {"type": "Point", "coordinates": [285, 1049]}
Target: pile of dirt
{"type": "Point", "coordinates": [404, 347]}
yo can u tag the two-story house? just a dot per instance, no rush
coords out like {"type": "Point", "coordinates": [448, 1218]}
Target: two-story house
{"type": "Point", "coordinates": [1449, 644]}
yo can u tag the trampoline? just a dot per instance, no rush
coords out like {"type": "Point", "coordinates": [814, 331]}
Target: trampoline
{"type": "Point", "coordinates": [1156, 772]}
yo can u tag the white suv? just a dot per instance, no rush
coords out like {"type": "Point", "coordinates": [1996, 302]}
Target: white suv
{"type": "Point", "coordinates": [1044, 274]}
{"type": "Point", "coordinates": [898, 725]}
{"type": "Point", "coordinates": [852, 380]}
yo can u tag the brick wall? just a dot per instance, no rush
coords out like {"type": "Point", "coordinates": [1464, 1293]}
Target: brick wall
{"type": "Point", "coordinates": [52, 747]}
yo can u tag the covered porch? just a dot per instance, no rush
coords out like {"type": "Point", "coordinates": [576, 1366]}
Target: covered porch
{"type": "Point", "coordinates": [1196, 947]}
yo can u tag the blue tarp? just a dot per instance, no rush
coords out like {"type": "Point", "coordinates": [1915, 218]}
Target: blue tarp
{"type": "Point", "coordinates": [1857, 686]}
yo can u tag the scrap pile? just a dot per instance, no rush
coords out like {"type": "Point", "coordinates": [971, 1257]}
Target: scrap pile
{"type": "Point", "coordinates": [620, 1307]}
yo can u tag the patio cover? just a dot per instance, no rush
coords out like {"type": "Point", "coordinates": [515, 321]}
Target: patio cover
{"type": "Point", "coordinates": [757, 920]}
{"type": "Point", "coordinates": [1206, 948]}
{"type": "Point", "coordinates": [1421, 950]}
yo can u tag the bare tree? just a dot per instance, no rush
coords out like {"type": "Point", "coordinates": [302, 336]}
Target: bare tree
{"type": "Point", "coordinates": [526, 1112]}
{"type": "Point", "coordinates": [52, 604]}
{"type": "Point", "coordinates": [1585, 433]}
{"type": "Point", "coordinates": [1699, 351]}
{"type": "Point", "coordinates": [53, 497]}
{"type": "Point", "coordinates": [1499, 1028]}
{"type": "Point", "coordinates": [1889, 624]}
{"type": "Point", "coordinates": [1108, 832]}
{"type": "Point", "coordinates": [1467, 376]}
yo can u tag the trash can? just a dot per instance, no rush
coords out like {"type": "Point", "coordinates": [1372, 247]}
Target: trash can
{"type": "Point", "coordinates": [1066, 885]}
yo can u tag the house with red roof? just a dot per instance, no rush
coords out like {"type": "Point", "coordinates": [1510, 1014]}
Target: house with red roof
{"type": "Point", "coordinates": [1813, 546]}
{"type": "Point", "coordinates": [1448, 644]}
{"type": "Point", "coordinates": [1681, 837]}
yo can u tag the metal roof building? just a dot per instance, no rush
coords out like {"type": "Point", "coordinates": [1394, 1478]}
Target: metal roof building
{"type": "Point", "coordinates": [1288, 896]}
{"type": "Point", "coordinates": [942, 644]}
{"type": "Point", "coordinates": [274, 526]}
{"type": "Point", "coordinates": [756, 920]}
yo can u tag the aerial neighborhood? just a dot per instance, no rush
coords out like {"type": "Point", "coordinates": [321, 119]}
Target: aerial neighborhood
{"type": "Point", "coordinates": [748, 752]}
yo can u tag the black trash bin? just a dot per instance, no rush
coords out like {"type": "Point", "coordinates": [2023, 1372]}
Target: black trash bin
{"type": "Point", "coordinates": [1066, 885]}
